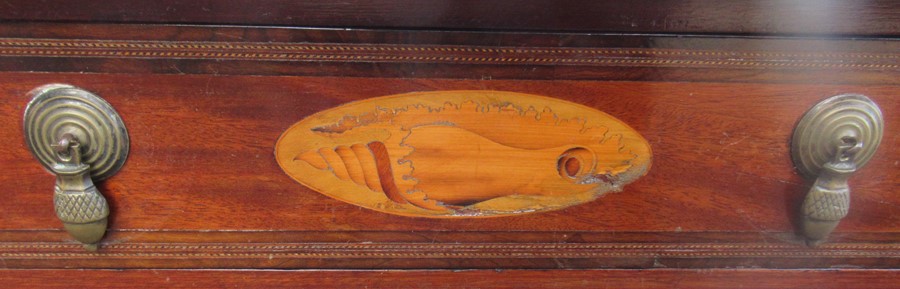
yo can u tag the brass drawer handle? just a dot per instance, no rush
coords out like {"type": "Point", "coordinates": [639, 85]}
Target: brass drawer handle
{"type": "Point", "coordinates": [834, 138]}
{"type": "Point", "coordinates": [80, 138]}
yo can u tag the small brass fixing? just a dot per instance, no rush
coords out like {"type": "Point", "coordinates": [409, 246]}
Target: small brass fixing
{"type": "Point", "coordinates": [834, 138]}
{"type": "Point", "coordinates": [77, 136]}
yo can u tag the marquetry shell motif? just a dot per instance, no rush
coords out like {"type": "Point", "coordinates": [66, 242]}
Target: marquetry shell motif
{"type": "Point", "coordinates": [463, 153]}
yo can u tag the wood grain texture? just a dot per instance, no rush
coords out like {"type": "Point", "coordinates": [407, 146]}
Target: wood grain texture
{"type": "Point", "coordinates": [202, 156]}
{"type": "Point", "coordinates": [445, 54]}
{"type": "Point", "coordinates": [446, 250]}
{"type": "Point", "coordinates": [657, 278]}
{"type": "Point", "coordinates": [646, 16]}
{"type": "Point", "coordinates": [427, 54]}
{"type": "Point", "coordinates": [448, 256]}
{"type": "Point", "coordinates": [205, 106]}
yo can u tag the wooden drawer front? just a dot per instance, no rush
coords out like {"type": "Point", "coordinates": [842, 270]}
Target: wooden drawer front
{"type": "Point", "coordinates": [201, 187]}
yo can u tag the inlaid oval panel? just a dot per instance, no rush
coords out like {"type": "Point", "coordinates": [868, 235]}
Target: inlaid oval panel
{"type": "Point", "coordinates": [463, 153]}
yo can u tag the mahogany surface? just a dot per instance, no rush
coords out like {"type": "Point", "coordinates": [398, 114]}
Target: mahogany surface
{"type": "Point", "coordinates": [659, 278]}
{"type": "Point", "coordinates": [205, 101]}
{"type": "Point", "coordinates": [207, 144]}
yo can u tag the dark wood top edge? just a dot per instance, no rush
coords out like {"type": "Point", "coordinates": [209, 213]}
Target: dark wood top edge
{"type": "Point", "coordinates": [771, 17]}
{"type": "Point", "coordinates": [243, 33]}
{"type": "Point", "coordinates": [863, 35]}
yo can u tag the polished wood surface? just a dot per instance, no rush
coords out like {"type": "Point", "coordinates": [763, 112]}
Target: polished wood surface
{"type": "Point", "coordinates": [643, 279]}
{"type": "Point", "coordinates": [766, 17]}
{"type": "Point", "coordinates": [205, 106]}
{"type": "Point", "coordinates": [202, 161]}
{"type": "Point", "coordinates": [720, 152]}
{"type": "Point", "coordinates": [225, 50]}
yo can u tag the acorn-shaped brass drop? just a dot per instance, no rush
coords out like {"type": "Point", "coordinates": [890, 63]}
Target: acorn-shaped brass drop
{"type": "Point", "coordinates": [78, 203]}
{"type": "Point", "coordinates": [828, 201]}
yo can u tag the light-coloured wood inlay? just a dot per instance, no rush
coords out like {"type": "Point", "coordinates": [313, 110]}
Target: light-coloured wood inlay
{"type": "Point", "coordinates": [463, 153]}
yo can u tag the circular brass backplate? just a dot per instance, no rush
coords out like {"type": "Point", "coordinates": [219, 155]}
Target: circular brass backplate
{"type": "Point", "coordinates": [823, 128]}
{"type": "Point", "coordinates": [57, 109]}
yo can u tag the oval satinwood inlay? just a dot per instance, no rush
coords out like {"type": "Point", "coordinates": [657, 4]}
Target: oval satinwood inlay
{"type": "Point", "coordinates": [463, 153]}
